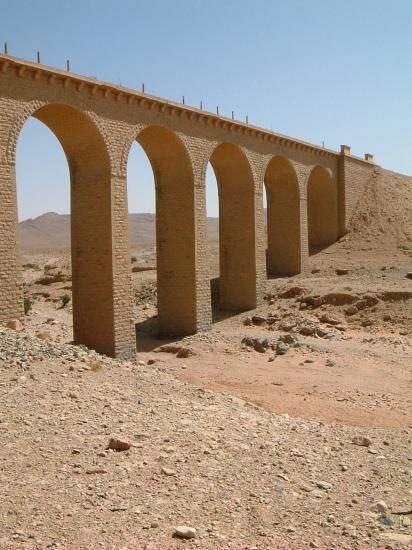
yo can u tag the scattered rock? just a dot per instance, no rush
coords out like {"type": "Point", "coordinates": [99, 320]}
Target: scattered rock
{"type": "Point", "coordinates": [313, 301]}
{"type": "Point", "coordinates": [287, 326]}
{"type": "Point", "coordinates": [308, 330]}
{"type": "Point", "coordinates": [361, 441]}
{"type": "Point", "coordinates": [259, 320]}
{"type": "Point", "coordinates": [326, 318]}
{"type": "Point", "coordinates": [118, 444]}
{"type": "Point", "coordinates": [386, 521]}
{"type": "Point", "coordinates": [325, 485]}
{"type": "Point", "coordinates": [281, 348]}
{"type": "Point", "coordinates": [260, 345]}
{"type": "Point", "coordinates": [92, 471]}
{"type": "Point", "coordinates": [342, 271]}
{"type": "Point", "coordinates": [339, 298]}
{"type": "Point", "coordinates": [184, 532]}
{"type": "Point", "coordinates": [53, 276]}
{"type": "Point", "coordinates": [379, 507]}
{"type": "Point", "coordinates": [44, 335]}
{"type": "Point", "coordinates": [292, 292]}
{"type": "Point", "coordinates": [180, 351]}
{"type": "Point", "coordinates": [290, 339]}
{"type": "Point", "coordinates": [15, 324]}
{"type": "Point", "coordinates": [351, 310]}
{"type": "Point", "coordinates": [184, 353]}
{"type": "Point", "coordinates": [167, 471]}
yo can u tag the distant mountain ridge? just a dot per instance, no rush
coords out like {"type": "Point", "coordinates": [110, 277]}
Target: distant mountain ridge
{"type": "Point", "coordinates": [51, 230]}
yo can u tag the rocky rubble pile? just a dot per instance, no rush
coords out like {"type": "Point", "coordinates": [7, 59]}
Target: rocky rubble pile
{"type": "Point", "coordinates": [280, 345]}
{"type": "Point", "coordinates": [20, 350]}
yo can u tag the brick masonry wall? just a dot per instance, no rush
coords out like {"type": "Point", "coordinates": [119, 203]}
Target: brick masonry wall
{"type": "Point", "coordinates": [180, 141]}
{"type": "Point", "coordinates": [354, 175]}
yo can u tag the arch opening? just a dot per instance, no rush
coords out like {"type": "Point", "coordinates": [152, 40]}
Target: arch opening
{"type": "Point", "coordinates": [90, 224]}
{"type": "Point", "coordinates": [237, 249]}
{"type": "Point", "coordinates": [283, 255]}
{"type": "Point", "coordinates": [322, 201]}
{"type": "Point", "coordinates": [174, 229]}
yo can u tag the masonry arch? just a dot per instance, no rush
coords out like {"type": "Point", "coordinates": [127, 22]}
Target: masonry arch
{"type": "Point", "coordinates": [237, 248]}
{"type": "Point", "coordinates": [283, 255]}
{"type": "Point", "coordinates": [322, 201]}
{"type": "Point", "coordinates": [91, 228]}
{"type": "Point", "coordinates": [175, 229]}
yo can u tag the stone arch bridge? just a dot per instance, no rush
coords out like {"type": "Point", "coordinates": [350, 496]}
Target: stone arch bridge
{"type": "Point", "coordinates": [311, 192]}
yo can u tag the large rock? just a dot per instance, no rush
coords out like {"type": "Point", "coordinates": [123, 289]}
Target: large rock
{"type": "Point", "coordinates": [339, 298]}
{"type": "Point", "coordinates": [361, 441]}
{"type": "Point", "coordinates": [292, 292]}
{"type": "Point", "coordinates": [184, 532]}
{"type": "Point", "coordinates": [260, 345]}
{"type": "Point", "coordinates": [15, 324]}
{"type": "Point", "coordinates": [118, 444]}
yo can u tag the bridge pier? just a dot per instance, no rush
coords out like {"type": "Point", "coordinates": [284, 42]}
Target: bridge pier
{"type": "Point", "coordinates": [238, 286]}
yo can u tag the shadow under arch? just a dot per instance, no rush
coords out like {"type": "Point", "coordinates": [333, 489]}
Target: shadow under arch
{"type": "Point", "coordinates": [91, 223]}
{"type": "Point", "coordinates": [175, 229]}
{"type": "Point", "coordinates": [237, 244]}
{"type": "Point", "coordinates": [283, 255]}
{"type": "Point", "coordinates": [322, 201]}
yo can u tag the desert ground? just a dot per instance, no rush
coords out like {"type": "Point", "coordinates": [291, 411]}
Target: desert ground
{"type": "Point", "coordinates": [285, 427]}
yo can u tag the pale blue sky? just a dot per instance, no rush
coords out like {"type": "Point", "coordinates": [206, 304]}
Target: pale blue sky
{"type": "Point", "coordinates": [314, 69]}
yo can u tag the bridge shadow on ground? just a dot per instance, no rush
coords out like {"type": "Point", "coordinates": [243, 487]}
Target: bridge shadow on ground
{"type": "Point", "coordinates": [275, 277]}
{"type": "Point", "coordinates": [148, 336]}
{"type": "Point", "coordinates": [218, 314]}
{"type": "Point", "coordinates": [313, 250]}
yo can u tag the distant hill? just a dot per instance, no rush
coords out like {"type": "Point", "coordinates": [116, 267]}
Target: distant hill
{"type": "Point", "coordinates": [51, 230]}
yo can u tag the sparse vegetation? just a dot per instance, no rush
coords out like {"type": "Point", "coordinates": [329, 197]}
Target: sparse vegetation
{"type": "Point", "coordinates": [65, 300]}
{"type": "Point", "coordinates": [43, 335]}
{"type": "Point", "coordinates": [147, 293]}
{"type": "Point", "coordinates": [95, 366]}
{"type": "Point", "coordinates": [35, 267]}
{"type": "Point", "coordinates": [28, 304]}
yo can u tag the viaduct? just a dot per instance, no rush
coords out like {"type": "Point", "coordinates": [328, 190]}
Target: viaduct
{"type": "Point", "coordinates": [311, 192]}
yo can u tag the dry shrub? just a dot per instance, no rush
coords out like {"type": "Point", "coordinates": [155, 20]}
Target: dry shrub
{"type": "Point", "coordinates": [95, 366]}
{"type": "Point", "coordinates": [44, 335]}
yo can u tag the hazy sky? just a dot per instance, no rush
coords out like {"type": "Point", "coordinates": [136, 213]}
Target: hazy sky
{"type": "Point", "coordinates": [319, 70]}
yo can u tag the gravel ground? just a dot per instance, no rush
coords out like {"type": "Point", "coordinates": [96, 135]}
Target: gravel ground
{"type": "Point", "coordinates": [241, 476]}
